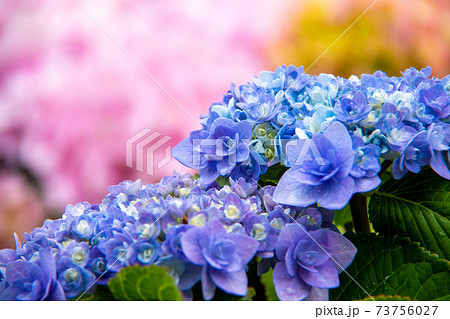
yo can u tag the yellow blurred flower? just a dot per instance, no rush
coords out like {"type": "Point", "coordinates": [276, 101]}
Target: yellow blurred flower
{"type": "Point", "coordinates": [391, 36]}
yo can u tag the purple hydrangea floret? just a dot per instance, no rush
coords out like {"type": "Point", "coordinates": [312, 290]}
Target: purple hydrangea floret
{"type": "Point", "coordinates": [321, 174]}
{"type": "Point", "coordinates": [27, 281]}
{"type": "Point", "coordinates": [215, 151]}
{"type": "Point", "coordinates": [309, 259]}
{"type": "Point", "coordinates": [222, 255]}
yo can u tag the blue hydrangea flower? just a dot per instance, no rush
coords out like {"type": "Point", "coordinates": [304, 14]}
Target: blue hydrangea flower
{"type": "Point", "coordinates": [115, 250]}
{"type": "Point", "coordinates": [295, 85]}
{"type": "Point", "coordinates": [320, 170]}
{"type": "Point", "coordinates": [413, 77]}
{"type": "Point", "coordinates": [398, 138]}
{"type": "Point", "coordinates": [250, 169]}
{"type": "Point", "coordinates": [97, 264]}
{"type": "Point", "coordinates": [34, 243]}
{"type": "Point", "coordinates": [73, 278]}
{"type": "Point", "coordinates": [319, 119]}
{"type": "Point", "coordinates": [77, 253]}
{"type": "Point", "coordinates": [295, 79]}
{"type": "Point", "coordinates": [243, 188]}
{"type": "Point", "coordinates": [279, 217]}
{"type": "Point", "coordinates": [271, 80]}
{"type": "Point", "coordinates": [28, 281]}
{"type": "Point", "coordinates": [275, 209]}
{"type": "Point", "coordinates": [436, 99]}
{"type": "Point", "coordinates": [184, 273]}
{"type": "Point", "coordinates": [377, 88]}
{"type": "Point", "coordinates": [438, 135]}
{"type": "Point", "coordinates": [83, 227]}
{"type": "Point", "coordinates": [352, 107]}
{"type": "Point", "coordinates": [384, 111]}
{"type": "Point", "coordinates": [178, 185]}
{"type": "Point", "coordinates": [6, 256]}
{"type": "Point", "coordinates": [77, 209]}
{"type": "Point", "coordinates": [329, 130]}
{"type": "Point", "coordinates": [266, 107]}
{"type": "Point", "coordinates": [366, 165]}
{"type": "Point", "coordinates": [314, 218]}
{"type": "Point", "coordinates": [259, 228]}
{"type": "Point", "coordinates": [234, 208]}
{"type": "Point", "coordinates": [283, 117]}
{"type": "Point", "coordinates": [222, 255]}
{"type": "Point", "coordinates": [91, 243]}
{"type": "Point", "coordinates": [172, 243]}
{"type": "Point", "coordinates": [146, 226]}
{"type": "Point", "coordinates": [215, 153]}
{"type": "Point", "coordinates": [309, 259]}
{"type": "Point", "coordinates": [143, 252]}
{"type": "Point", "coordinates": [414, 155]}
{"type": "Point", "coordinates": [284, 135]}
{"type": "Point", "coordinates": [124, 192]}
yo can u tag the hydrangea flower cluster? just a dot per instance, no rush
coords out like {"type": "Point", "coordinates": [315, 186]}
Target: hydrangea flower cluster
{"type": "Point", "coordinates": [198, 233]}
{"type": "Point", "coordinates": [331, 132]}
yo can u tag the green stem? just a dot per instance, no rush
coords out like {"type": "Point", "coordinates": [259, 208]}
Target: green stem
{"type": "Point", "coordinates": [358, 207]}
{"type": "Point", "coordinates": [255, 282]}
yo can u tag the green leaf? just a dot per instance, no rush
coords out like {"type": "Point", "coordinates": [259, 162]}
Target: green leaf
{"type": "Point", "coordinates": [387, 298]}
{"type": "Point", "coordinates": [393, 266]}
{"type": "Point", "coordinates": [102, 293]}
{"type": "Point", "coordinates": [222, 181]}
{"type": "Point", "coordinates": [343, 219]}
{"type": "Point", "coordinates": [416, 206]}
{"type": "Point", "coordinates": [267, 281]}
{"type": "Point", "coordinates": [220, 295]}
{"type": "Point", "coordinates": [144, 283]}
{"type": "Point", "coordinates": [273, 175]}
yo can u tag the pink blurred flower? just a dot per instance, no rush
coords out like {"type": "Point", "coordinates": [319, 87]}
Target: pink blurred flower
{"type": "Point", "coordinates": [20, 209]}
{"type": "Point", "coordinates": [70, 97]}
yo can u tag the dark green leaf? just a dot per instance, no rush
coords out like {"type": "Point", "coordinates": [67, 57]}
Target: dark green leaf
{"type": "Point", "coordinates": [267, 281]}
{"type": "Point", "coordinates": [220, 295]}
{"type": "Point", "coordinates": [387, 298]}
{"type": "Point", "coordinates": [222, 181]}
{"type": "Point", "coordinates": [102, 293]}
{"type": "Point", "coordinates": [416, 206]}
{"type": "Point", "coordinates": [273, 175]}
{"type": "Point", "coordinates": [387, 266]}
{"type": "Point", "coordinates": [144, 283]}
{"type": "Point", "coordinates": [343, 219]}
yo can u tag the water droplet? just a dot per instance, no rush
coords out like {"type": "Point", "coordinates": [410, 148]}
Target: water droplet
{"type": "Point", "coordinates": [441, 234]}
